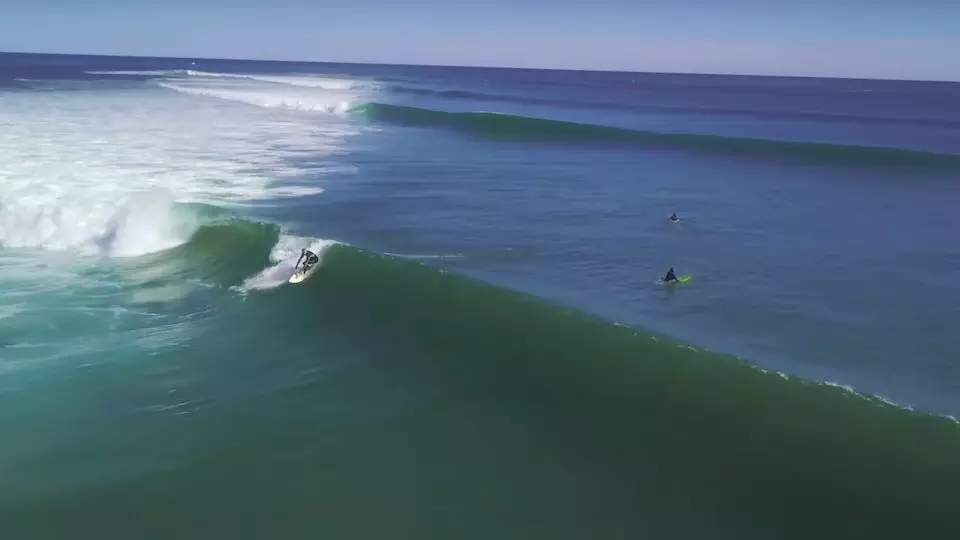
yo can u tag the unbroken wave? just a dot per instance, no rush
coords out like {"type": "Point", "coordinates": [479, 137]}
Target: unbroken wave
{"type": "Point", "coordinates": [819, 116]}
{"type": "Point", "coordinates": [230, 250]}
{"type": "Point", "coordinates": [648, 406]}
{"type": "Point", "coordinates": [689, 432]}
{"type": "Point", "coordinates": [541, 130]}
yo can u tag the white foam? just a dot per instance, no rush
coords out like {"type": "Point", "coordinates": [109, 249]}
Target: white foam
{"type": "Point", "coordinates": [307, 81]}
{"type": "Point", "coordinates": [284, 257]}
{"type": "Point", "coordinates": [91, 223]}
{"type": "Point", "coordinates": [438, 256]}
{"type": "Point", "coordinates": [305, 93]}
{"type": "Point", "coordinates": [290, 100]}
{"type": "Point", "coordinates": [845, 387]}
{"type": "Point", "coordinates": [98, 172]}
{"type": "Point", "coordinates": [853, 391]}
{"type": "Point", "coordinates": [891, 403]}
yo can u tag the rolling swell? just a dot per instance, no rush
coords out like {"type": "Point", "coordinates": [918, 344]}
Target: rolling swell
{"type": "Point", "coordinates": [387, 386]}
{"type": "Point", "coordinates": [680, 110]}
{"type": "Point", "coordinates": [509, 127]}
{"type": "Point", "coordinates": [694, 435]}
{"type": "Point", "coordinates": [492, 97]}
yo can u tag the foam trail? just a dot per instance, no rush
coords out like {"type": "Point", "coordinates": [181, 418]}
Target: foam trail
{"type": "Point", "coordinates": [284, 258]}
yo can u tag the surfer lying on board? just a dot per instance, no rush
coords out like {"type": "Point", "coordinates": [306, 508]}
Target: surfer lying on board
{"type": "Point", "coordinates": [670, 277]}
{"type": "Point", "coordinates": [309, 259]}
{"type": "Point", "coordinates": [674, 218]}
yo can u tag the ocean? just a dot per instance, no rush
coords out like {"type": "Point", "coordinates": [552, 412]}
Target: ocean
{"type": "Point", "coordinates": [485, 349]}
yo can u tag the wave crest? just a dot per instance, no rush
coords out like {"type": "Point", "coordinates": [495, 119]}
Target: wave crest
{"type": "Point", "coordinates": [503, 126]}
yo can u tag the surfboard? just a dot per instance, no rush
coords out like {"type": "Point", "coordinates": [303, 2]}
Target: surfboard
{"type": "Point", "coordinates": [680, 279]}
{"type": "Point", "coordinates": [300, 275]}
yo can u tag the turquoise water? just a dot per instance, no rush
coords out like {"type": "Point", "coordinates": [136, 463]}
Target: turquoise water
{"type": "Point", "coordinates": [484, 350]}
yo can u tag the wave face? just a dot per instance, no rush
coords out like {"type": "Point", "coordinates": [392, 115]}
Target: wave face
{"type": "Point", "coordinates": [499, 126]}
{"type": "Point", "coordinates": [404, 386]}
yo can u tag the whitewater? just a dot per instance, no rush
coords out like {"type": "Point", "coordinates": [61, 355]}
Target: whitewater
{"type": "Point", "coordinates": [91, 177]}
{"type": "Point", "coordinates": [101, 173]}
{"type": "Point", "coordinates": [98, 171]}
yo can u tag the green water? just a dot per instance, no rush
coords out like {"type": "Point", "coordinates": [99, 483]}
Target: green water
{"type": "Point", "coordinates": [382, 398]}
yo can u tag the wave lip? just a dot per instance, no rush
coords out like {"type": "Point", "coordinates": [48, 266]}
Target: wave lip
{"type": "Point", "coordinates": [501, 126]}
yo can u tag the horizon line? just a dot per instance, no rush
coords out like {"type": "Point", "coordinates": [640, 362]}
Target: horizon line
{"type": "Point", "coordinates": [479, 66]}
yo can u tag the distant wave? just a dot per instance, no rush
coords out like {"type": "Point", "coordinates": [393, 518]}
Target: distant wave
{"type": "Point", "coordinates": [669, 109]}
{"type": "Point", "coordinates": [306, 81]}
{"type": "Point", "coordinates": [469, 94]}
{"type": "Point", "coordinates": [144, 73]}
{"type": "Point", "coordinates": [504, 98]}
{"type": "Point", "coordinates": [540, 130]}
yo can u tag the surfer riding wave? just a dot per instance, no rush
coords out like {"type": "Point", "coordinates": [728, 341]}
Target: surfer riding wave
{"type": "Point", "coordinates": [309, 259]}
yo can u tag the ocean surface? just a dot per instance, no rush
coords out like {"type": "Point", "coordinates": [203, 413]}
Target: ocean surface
{"type": "Point", "coordinates": [485, 350]}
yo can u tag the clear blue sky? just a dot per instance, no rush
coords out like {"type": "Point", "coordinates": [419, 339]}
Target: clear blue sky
{"type": "Point", "coordinates": [911, 39]}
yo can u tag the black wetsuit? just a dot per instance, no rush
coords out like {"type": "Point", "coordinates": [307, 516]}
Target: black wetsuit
{"type": "Point", "coordinates": [311, 259]}
{"type": "Point", "coordinates": [670, 277]}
